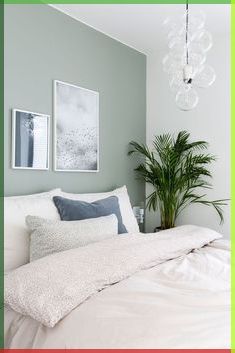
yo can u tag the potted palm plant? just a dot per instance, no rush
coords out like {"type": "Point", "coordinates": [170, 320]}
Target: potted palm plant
{"type": "Point", "coordinates": [178, 171]}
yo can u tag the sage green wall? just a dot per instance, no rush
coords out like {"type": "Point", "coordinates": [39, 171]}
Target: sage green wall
{"type": "Point", "coordinates": [43, 44]}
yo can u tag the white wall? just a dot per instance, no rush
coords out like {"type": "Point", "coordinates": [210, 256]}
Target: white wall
{"type": "Point", "coordinates": [210, 121]}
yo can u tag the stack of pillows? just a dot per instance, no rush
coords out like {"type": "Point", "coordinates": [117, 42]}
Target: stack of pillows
{"type": "Point", "coordinates": [76, 220]}
{"type": "Point", "coordinates": [81, 223]}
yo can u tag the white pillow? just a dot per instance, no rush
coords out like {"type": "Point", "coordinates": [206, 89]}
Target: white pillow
{"type": "Point", "coordinates": [16, 235]}
{"type": "Point", "coordinates": [128, 217]}
{"type": "Point", "coordinates": [48, 237]}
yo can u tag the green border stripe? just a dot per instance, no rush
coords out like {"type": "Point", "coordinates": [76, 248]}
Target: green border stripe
{"type": "Point", "coordinates": [117, 2]}
{"type": "Point", "coordinates": [2, 172]}
{"type": "Point", "coordinates": [232, 176]}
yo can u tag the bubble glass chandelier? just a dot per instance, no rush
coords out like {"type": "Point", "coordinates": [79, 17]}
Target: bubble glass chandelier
{"type": "Point", "coordinates": [185, 63]}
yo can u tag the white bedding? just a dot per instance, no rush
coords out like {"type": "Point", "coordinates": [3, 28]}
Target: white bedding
{"type": "Point", "coordinates": [178, 303]}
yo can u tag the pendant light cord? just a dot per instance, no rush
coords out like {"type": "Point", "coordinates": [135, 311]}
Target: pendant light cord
{"type": "Point", "coordinates": [186, 32]}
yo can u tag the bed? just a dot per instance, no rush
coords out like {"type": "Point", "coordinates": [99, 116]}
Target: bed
{"type": "Point", "coordinates": [166, 290]}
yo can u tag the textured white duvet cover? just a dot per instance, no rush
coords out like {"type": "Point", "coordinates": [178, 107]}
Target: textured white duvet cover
{"type": "Point", "coordinates": [178, 303]}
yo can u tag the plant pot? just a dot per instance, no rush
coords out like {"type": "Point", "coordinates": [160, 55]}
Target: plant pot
{"type": "Point", "coordinates": [157, 229]}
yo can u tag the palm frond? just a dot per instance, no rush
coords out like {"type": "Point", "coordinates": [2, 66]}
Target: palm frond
{"type": "Point", "coordinates": [217, 206]}
{"type": "Point", "coordinates": [140, 148]}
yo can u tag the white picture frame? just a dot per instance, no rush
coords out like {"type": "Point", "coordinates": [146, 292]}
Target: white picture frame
{"type": "Point", "coordinates": [19, 157]}
{"type": "Point", "coordinates": [73, 96]}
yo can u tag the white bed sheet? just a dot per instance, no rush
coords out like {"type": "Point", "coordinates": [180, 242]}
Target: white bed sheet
{"type": "Point", "coordinates": [182, 303]}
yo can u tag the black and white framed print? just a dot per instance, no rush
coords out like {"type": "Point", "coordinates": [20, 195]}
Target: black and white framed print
{"type": "Point", "coordinates": [30, 140]}
{"type": "Point", "coordinates": [76, 128]}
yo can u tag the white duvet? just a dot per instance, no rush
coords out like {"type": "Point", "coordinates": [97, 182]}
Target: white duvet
{"type": "Point", "coordinates": [167, 295]}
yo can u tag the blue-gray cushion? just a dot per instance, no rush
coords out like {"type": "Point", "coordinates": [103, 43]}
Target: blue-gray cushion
{"type": "Point", "coordinates": [74, 210]}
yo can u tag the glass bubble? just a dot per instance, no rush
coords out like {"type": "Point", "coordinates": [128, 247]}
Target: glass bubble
{"type": "Point", "coordinates": [196, 60]}
{"type": "Point", "coordinates": [205, 77]}
{"type": "Point", "coordinates": [177, 31]}
{"type": "Point", "coordinates": [196, 20]}
{"type": "Point", "coordinates": [170, 28]}
{"type": "Point", "coordinates": [186, 98]}
{"type": "Point", "coordinates": [171, 64]}
{"type": "Point", "coordinates": [177, 54]}
{"type": "Point", "coordinates": [204, 39]}
{"type": "Point", "coordinates": [167, 62]}
{"type": "Point", "coordinates": [176, 41]}
{"type": "Point", "coordinates": [176, 81]}
{"type": "Point", "coordinates": [196, 48]}
{"type": "Point", "coordinates": [167, 24]}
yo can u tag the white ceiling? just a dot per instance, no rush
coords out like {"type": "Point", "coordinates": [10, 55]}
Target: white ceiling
{"type": "Point", "coordinates": [140, 25]}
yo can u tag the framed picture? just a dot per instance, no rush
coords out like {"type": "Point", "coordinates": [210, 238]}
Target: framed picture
{"type": "Point", "coordinates": [76, 128]}
{"type": "Point", "coordinates": [30, 140]}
